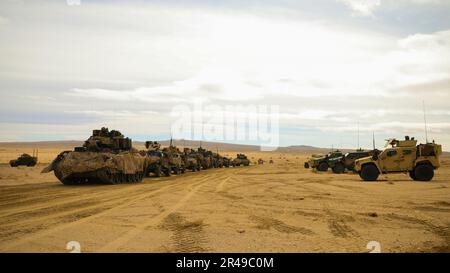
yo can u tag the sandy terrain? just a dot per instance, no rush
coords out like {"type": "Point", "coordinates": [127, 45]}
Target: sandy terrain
{"type": "Point", "coordinates": [267, 208]}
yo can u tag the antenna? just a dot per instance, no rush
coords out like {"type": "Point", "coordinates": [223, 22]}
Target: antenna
{"type": "Point", "coordinates": [425, 121]}
{"type": "Point", "coordinates": [373, 140]}
{"type": "Point", "coordinates": [358, 136]}
{"type": "Point", "coordinates": [171, 141]}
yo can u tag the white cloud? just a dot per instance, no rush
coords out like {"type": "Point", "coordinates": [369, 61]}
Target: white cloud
{"type": "Point", "coordinates": [362, 7]}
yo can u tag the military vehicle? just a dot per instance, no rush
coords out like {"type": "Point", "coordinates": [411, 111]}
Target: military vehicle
{"type": "Point", "coordinates": [271, 161]}
{"type": "Point", "coordinates": [241, 159]}
{"type": "Point", "coordinates": [405, 156]}
{"type": "Point", "coordinates": [227, 162]}
{"type": "Point", "coordinates": [176, 162]}
{"type": "Point", "coordinates": [322, 162]}
{"type": "Point", "coordinates": [190, 158]}
{"type": "Point", "coordinates": [156, 161]}
{"type": "Point", "coordinates": [347, 161]}
{"type": "Point", "coordinates": [205, 158]}
{"type": "Point", "coordinates": [260, 161]}
{"type": "Point", "coordinates": [24, 160]}
{"type": "Point", "coordinates": [106, 157]}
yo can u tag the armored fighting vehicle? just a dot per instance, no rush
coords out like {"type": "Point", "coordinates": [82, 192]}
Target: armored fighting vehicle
{"type": "Point", "coordinates": [260, 161]}
{"type": "Point", "coordinates": [205, 158]}
{"type": "Point", "coordinates": [347, 161]}
{"type": "Point", "coordinates": [241, 159]}
{"type": "Point", "coordinates": [176, 162]}
{"type": "Point", "coordinates": [156, 161]}
{"type": "Point", "coordinates": [190, 159]}
{"type": "Point", "coordinates": [405, 156]}
{"type": "Point", "coordinates": [106, 157]}
{"type": "Point", "coordinates": [24, 160]}
{"type": "Point", "coordinates": [322, 163]}
{"type": "Point", "coordinates": [227, 162]}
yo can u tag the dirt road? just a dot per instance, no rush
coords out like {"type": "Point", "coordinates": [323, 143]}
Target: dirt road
{"type": "Point", "coordinates": [267, 208]}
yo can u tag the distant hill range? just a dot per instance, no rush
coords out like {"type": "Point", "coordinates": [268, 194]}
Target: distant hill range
{"type": "Point", "coordinates": [70, 144]}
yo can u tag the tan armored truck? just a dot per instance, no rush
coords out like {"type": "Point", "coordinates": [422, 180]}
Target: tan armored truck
{"type": "Point", "coordinates": [405, 156]}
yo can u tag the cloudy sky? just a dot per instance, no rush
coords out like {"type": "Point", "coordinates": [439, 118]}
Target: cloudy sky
{"type": "Point", "coordinates": [327, 64]}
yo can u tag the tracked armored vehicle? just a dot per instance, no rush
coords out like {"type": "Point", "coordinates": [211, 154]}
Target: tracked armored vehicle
{"type": "Point", "coordinates": [191, 160]}
{"type": "Point", "coordinates": [241, 159]}
{"type": "Point", "coordinates": [176, 162]}
{"type": "Point", "coordinates": [106, 157]}
{"type": "Point", "coordinates": [156, 161]}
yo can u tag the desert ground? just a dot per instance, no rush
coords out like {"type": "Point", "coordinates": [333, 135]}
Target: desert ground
{"type": "Point", "coordinates": [261, 208]}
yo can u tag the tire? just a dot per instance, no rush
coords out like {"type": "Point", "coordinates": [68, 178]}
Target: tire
{"type": "Point", "coordinates": [369, 173]}
{"type": "Point", "coordinates": [323, 167]}
{"type": "Point", "coordinates": [412, 175]}
{"type": "Point", "coordinates": [423, 172]}
{"type": "Point", "coordinates": [339, 168]}
{"type": "Point", "coordinates": [167, 172]}
{"type": "Point", "coordinates": [306, 165]}
{"type": "Point", "coordinates": [158, 171]}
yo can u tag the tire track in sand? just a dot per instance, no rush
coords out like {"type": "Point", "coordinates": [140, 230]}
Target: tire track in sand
{"type": "Point", "coordinates": [154, 221]}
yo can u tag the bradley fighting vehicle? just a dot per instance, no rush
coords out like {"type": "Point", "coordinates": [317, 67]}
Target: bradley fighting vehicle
{"type": "Point", "coordinates": [205, 158]}
{"type": "Point", "coordinates": [241, 159]}
{"type": "Point", "coordinates": [176, 162]}
{"type": "Point", "coordinates": [106, 157]}
{"type": "Point", "coordinates": [190, 159]}
{"type": "Point", "coordinates": [322, 162]}
{"type": "Point", "coordinates": [405, 156]}
{"type": "Point", "coordinates": [24, 160]}
{"type": "Point", "coordinates": [156, 161]}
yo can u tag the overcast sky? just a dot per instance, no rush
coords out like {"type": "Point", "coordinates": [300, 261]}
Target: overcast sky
{"type": "Point", "coordinates": [328, 64]}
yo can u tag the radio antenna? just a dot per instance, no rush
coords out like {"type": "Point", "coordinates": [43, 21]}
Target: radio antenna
{"type": "Point", "coordinates": [373, 140]}
{"type": "Point", "coordinates": [425, 121]}
{"type": "Point", "coordinates": [358, 136]}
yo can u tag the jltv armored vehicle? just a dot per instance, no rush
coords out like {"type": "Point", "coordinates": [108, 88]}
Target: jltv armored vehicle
{"type": "Point", "coordinates": [24, 160]}
{"type": "Point", "coordinates": [322, 163]}
{"type": "Point", "coordinates": [405, 156]}
{"type": "Point", "coordinates": [347, 161]}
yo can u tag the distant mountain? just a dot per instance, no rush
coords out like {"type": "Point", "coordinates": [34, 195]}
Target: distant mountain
{"type": "Point", "coordinates": [70, 144]}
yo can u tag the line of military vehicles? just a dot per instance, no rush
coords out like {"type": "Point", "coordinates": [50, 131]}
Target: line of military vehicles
{"type": "Point", "coordinates": [109, 157]}
{"type": "Point", "coordinates": [399, 156]}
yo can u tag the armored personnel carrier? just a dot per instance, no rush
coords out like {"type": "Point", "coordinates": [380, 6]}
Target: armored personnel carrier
{"type": "Point", "coordinates": [205, 158]}
{"type": "Point", "coordinates": [106, 157]}
{"type": "Point", "coordinates": [322, 163]}
{"type": "Point", "coordinates": [405, 156]}
{"type": "Point", "coordinates": [24, 160]}
{"type": "Point", "coordinates": [241, 159]}
{"type": "Point", "coordinates": [190, 159]}
{"type": "Point", "coordinates": [176, 163]}
{"type": "Point", "coordinates": [156, 161]}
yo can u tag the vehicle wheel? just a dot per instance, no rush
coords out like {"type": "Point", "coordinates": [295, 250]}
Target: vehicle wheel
{"type": "Point", "coordinates": [306, 165]}
{"type": "Point", "coordinates": [323, 167]}
{"type": "Point", "coordinates": [339, 168]}
{"type": "Point", "coordinates": [167, 172]}
{"type": "Point", "coordinates": [369, 173]}
{"type": "Point", "coordinates": [158, 171]}
{"type": "Point", "coordinates": [412, 175]}
{"type": "Point", "coordinates": [424, 172]}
